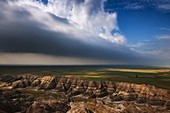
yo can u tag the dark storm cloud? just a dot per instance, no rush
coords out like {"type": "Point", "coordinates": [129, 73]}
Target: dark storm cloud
{"type": "Point", "coordinates": [18, 34]}
{"type": "Point", "coordinates": [29, 38]}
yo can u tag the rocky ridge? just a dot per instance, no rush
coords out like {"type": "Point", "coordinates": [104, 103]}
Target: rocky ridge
{"type": "Point", "coordinates": [74, 95]}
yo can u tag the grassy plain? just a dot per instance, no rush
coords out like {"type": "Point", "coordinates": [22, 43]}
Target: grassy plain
{"type": "Point", "coordinates": [160, 77]}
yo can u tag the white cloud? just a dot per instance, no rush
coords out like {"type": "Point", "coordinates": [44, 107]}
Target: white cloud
{"type": "Point", "coordinates": [163, 37]}
{"type": "Point", "coordinates": [30, 29]}
{"type": "Point", "coordinates": [164, 29]}
{"type": "Point", "coordinates": [85, 17]}
{"type": "Point", "coordinates": [137, 44]}
{"type": "Point", "coordinates": [164, 6]}
{"type": "Point", "coordinates": [83, 20]}
{"type": "Point", "coordinates": [145, 48]}
{"type": "Point", "coordinates": [134, 6]}
{"type": "Point", "coordinates": [149, 52]}
{"type": "Point", "coordinates": [115, 38]}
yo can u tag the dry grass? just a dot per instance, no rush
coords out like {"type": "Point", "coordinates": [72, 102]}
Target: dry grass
{"type": "Point", "coordinates": [140, 70]}
{"type": "Point", "coordinates": [96, 76]}
{"type": "Point", "coordinates": [86, 76]}
{"type": "Point", "coordinates": [94, 73]}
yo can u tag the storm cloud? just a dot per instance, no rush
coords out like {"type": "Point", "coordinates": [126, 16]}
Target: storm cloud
{"type": "Point", "coordinates": [26, 28]}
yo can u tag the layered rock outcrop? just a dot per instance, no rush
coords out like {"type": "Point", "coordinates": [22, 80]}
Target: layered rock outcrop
{"type": "Point", "coordinates": [101, 107]}
{"type": "Point", "coordinates": [71, 87]}
{"type": "Point", "coordinates": [50, 106]}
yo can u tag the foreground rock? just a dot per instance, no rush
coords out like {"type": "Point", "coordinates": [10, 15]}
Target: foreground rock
{"type": "Point", "coordinates": [50, 106]}
{"type": "Point", "coordinates": [101, 107]}
{"type": "Point", "coordinates": [50, 94]}
{"type": "Point", "coordinates": [15, 101]}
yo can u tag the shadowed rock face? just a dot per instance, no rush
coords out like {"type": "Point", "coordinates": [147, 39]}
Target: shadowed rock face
{"type": "Point", "coordinates": [10, 78]}
{"type": "Point", "coordinates": [14, 101]}
{"type": "Point", "coordinates": [109, 91]}
{"type": "Point", "coordinates": [50, 106]}
{"type": "Point", "coordinates": [47, 82]}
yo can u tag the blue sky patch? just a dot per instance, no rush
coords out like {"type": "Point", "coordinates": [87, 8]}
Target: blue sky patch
{"type": "Point", "coordinates": [45, 2]}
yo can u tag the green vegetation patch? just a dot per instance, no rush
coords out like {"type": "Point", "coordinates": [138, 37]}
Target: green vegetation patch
{"type": "Point", "coordinates": [159, 77]}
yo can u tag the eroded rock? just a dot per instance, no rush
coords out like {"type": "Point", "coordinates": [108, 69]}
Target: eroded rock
{"type": "Point", "coordinates": [57, 92]}
{"type": "Point", "coordinates": [48, 82]}
{"type": "Point", "coordinates": [50, 106]}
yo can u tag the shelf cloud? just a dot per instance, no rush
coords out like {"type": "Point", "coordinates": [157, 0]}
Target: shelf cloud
{"type": "Point", "coordinates": [72, 29]}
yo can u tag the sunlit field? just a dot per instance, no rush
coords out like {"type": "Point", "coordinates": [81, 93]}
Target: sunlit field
{"type": "Point", "coordinates": [160, 77]}
{"type": "Point", "coordinates": [141, 70]}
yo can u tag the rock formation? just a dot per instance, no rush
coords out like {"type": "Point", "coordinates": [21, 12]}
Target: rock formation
{"type": "Point", "coordinates": [48, 94]}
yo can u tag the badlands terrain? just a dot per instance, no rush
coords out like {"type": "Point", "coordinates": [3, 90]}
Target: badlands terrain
{"type": "Point", "coordinates": [28, 93]}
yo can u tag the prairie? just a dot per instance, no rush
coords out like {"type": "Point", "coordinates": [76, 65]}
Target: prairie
{"type": "Point", "coordinates": [157, 76]}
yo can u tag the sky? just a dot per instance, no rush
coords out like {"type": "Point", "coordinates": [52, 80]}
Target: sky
{"type": "Point", "coordinates": [84, 32]}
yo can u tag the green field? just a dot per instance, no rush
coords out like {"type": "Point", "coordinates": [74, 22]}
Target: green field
{"type": "Point", "coordinates": [160, 77]}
